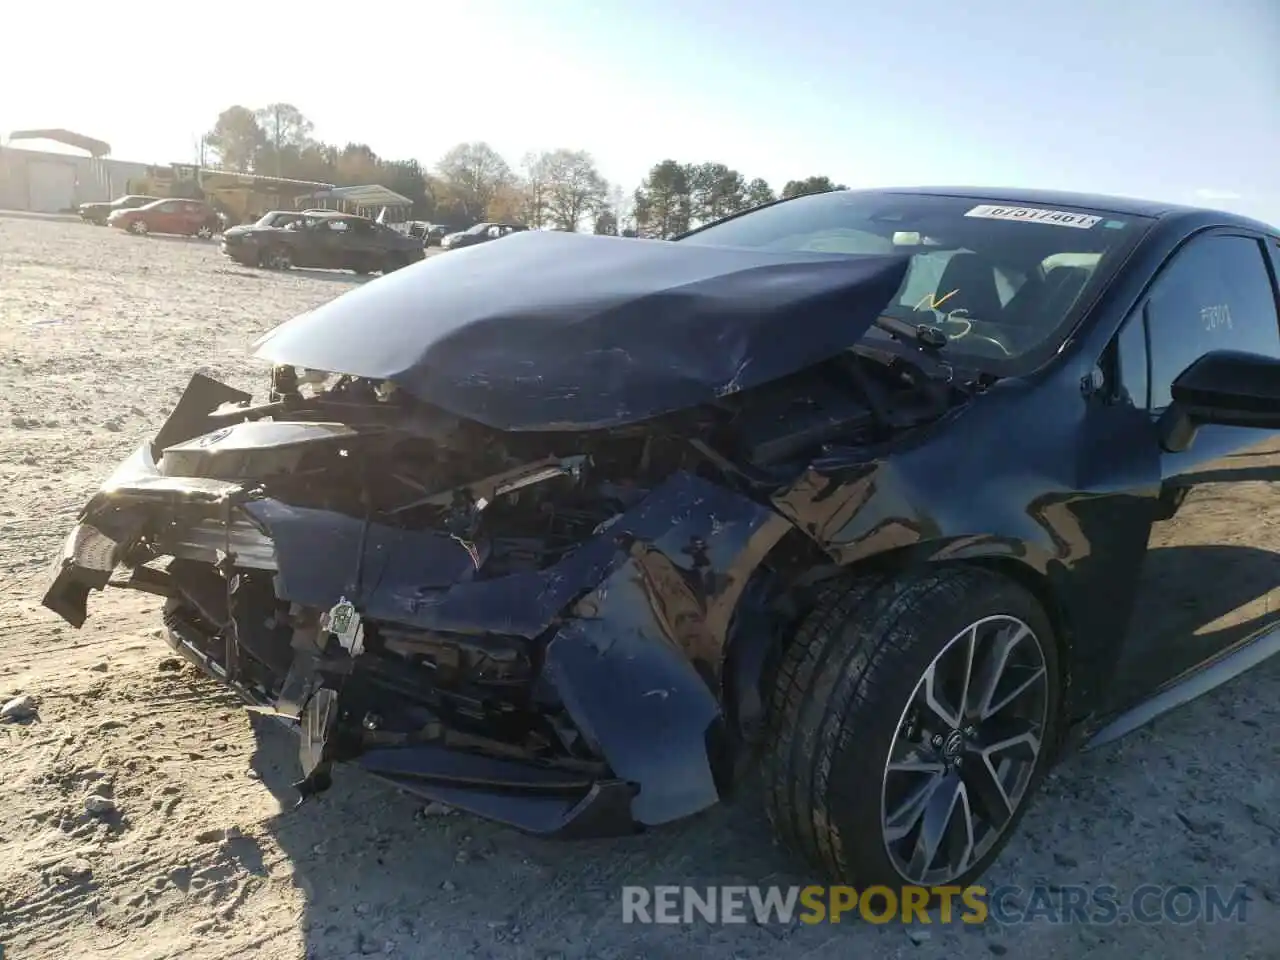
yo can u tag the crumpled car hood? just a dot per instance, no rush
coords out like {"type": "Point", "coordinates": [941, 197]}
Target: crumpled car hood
{"type": "Point", "coordinates": [562, 331]}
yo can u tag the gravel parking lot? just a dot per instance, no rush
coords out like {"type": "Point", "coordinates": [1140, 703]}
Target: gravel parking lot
{"type": "Point", "coordinates": [193, 850]}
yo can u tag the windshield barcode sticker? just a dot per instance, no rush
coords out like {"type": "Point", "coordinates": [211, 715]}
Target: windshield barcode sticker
{"type": "Point", "coordinates": [1060, 218]}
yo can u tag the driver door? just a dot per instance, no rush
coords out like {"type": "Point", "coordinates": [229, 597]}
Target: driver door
{"type": "Point", "coordinates": [362, 248]}
{"type": "Point", "coordinates": [166, 218]}
{"type": "Point", "coordinates": [1210, 578]}
{"type": "Point", "coordinates": [329, 242]}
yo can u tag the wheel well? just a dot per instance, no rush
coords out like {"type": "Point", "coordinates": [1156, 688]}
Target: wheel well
{"type": "Point", "coordinates": [788, 581]}
{"type": "Point", "coordinates": [1039, 586]}
{"type": "Point", "coordinates": [771, 603]}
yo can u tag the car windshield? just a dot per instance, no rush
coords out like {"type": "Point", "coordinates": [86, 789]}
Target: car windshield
{"type": "Point", "coordinates": [1003, 281]}
{"type": "Point", "coordinates": [478, 228]}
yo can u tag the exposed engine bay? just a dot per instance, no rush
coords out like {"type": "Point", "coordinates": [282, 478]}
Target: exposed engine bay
{"type": "Point", "coordinates": [365, 450]}
{"type": "Point", "coordinates": [387, 574]}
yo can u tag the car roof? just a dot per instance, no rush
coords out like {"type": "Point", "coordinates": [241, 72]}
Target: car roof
{"type": "Point", "coordinates": [1122, 206]}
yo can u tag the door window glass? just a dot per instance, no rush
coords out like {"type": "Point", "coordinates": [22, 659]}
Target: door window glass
{"type": "Point", "coordinates": [1216, 294]}
{"type": "Point", "coordinates": [1131, 373]}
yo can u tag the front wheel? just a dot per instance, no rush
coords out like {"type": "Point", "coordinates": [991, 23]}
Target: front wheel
{"type": "Point", "coordinates": [204, 232]}
{"type": "Point", "coordinates": [911, 720]}
{"type": "Point", "coordinates": [275, 258]}
{"type": "Point", "coordinates": [138, 227]}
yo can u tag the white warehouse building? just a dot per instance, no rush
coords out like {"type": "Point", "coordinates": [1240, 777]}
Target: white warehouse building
{"type": "Point", "coordinates": [47, 182]}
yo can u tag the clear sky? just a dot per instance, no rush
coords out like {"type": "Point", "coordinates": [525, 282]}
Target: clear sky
{"type": "Point", "coordinates": [1172, 99]}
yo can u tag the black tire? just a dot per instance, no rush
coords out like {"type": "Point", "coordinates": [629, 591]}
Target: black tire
{"type": "Point", "coordinates": [839, 696]}
{"type": "Point", "coordinates": [275, 258]}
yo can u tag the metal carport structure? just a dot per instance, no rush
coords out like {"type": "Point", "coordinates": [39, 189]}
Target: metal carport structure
{"type": "Point", "coordinates": [367, 200]}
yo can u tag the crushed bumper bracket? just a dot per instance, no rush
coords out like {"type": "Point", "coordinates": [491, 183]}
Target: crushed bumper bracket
{"type": "Point", "coordinates": [317, 723]}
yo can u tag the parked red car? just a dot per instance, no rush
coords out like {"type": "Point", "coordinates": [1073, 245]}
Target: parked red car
{"type": "Point", "coordinates": [193, 218]}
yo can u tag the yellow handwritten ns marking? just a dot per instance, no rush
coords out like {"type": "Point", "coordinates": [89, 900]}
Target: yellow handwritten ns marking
{"type": "Point", "coordinates": [934, 304]}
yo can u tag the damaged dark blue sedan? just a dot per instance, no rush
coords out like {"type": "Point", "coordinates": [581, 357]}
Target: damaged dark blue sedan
{"type": "Point", "coordinates": [889, 495]}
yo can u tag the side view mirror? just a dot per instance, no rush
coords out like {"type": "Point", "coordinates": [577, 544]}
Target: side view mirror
{"type": "Point", "coordinates": [1224, 387]}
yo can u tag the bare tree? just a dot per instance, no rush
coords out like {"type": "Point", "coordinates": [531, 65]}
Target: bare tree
{"type": "Point", "coordinates": [575, 188]}
{"type": "Point", "coordinates": [236, 138]}
{"type": "Point", "coordinates": [286, 130]}
{"type": "Point", "coordinates": [622, 205]}
{"type": "Point", "coordinates": [475, 173]}
{"type": "Point", "coordinates": [536, 188]}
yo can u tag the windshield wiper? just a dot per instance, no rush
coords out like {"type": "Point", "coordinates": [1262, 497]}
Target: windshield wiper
{"type": "Point", "coordinates": [924, 344]}
{"type": "Point", "coordinates": [920, 335]}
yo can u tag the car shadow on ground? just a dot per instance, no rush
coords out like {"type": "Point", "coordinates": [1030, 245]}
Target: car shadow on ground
{"type": "Point", "coordinates": [332, 276]}
{"type": "Point", "coordinates": [180, 238]}
{"type": "Point", "coordinates": [379, 867]}
{"type": "Point", "coordinates": [339, 276]}
{"type": "Point", "coordinates": [382, 871]}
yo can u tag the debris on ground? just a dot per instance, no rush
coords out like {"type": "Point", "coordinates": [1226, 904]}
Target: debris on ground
{"type": "Point", "coordinates": [435, 809]}
{"type": "Point", "coordinates": [76, 869]}
{"type": "Point", "coordinates": [19, 708]}
{"type": "Point", "coordinates": [99, 806]}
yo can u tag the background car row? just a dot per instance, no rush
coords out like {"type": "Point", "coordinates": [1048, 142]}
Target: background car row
{"type": "Point", "coordinates": [445, 237]}
{"type": "Point", "coordinates": [480, 233]}
{"type": "Point", "coordinates": [143, 214]}
{"type": "Point", "coordinates": [321, 239]}
{"type": "Point", "coordinates": [281, 239]}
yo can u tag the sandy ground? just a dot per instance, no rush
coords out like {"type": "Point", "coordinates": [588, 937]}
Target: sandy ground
{"type": "Point", "coordinates": [202, 856]}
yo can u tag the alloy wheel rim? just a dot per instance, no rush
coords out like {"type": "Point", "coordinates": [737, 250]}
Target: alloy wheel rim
{"type": "Point", "coordinates": [964, 751]}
